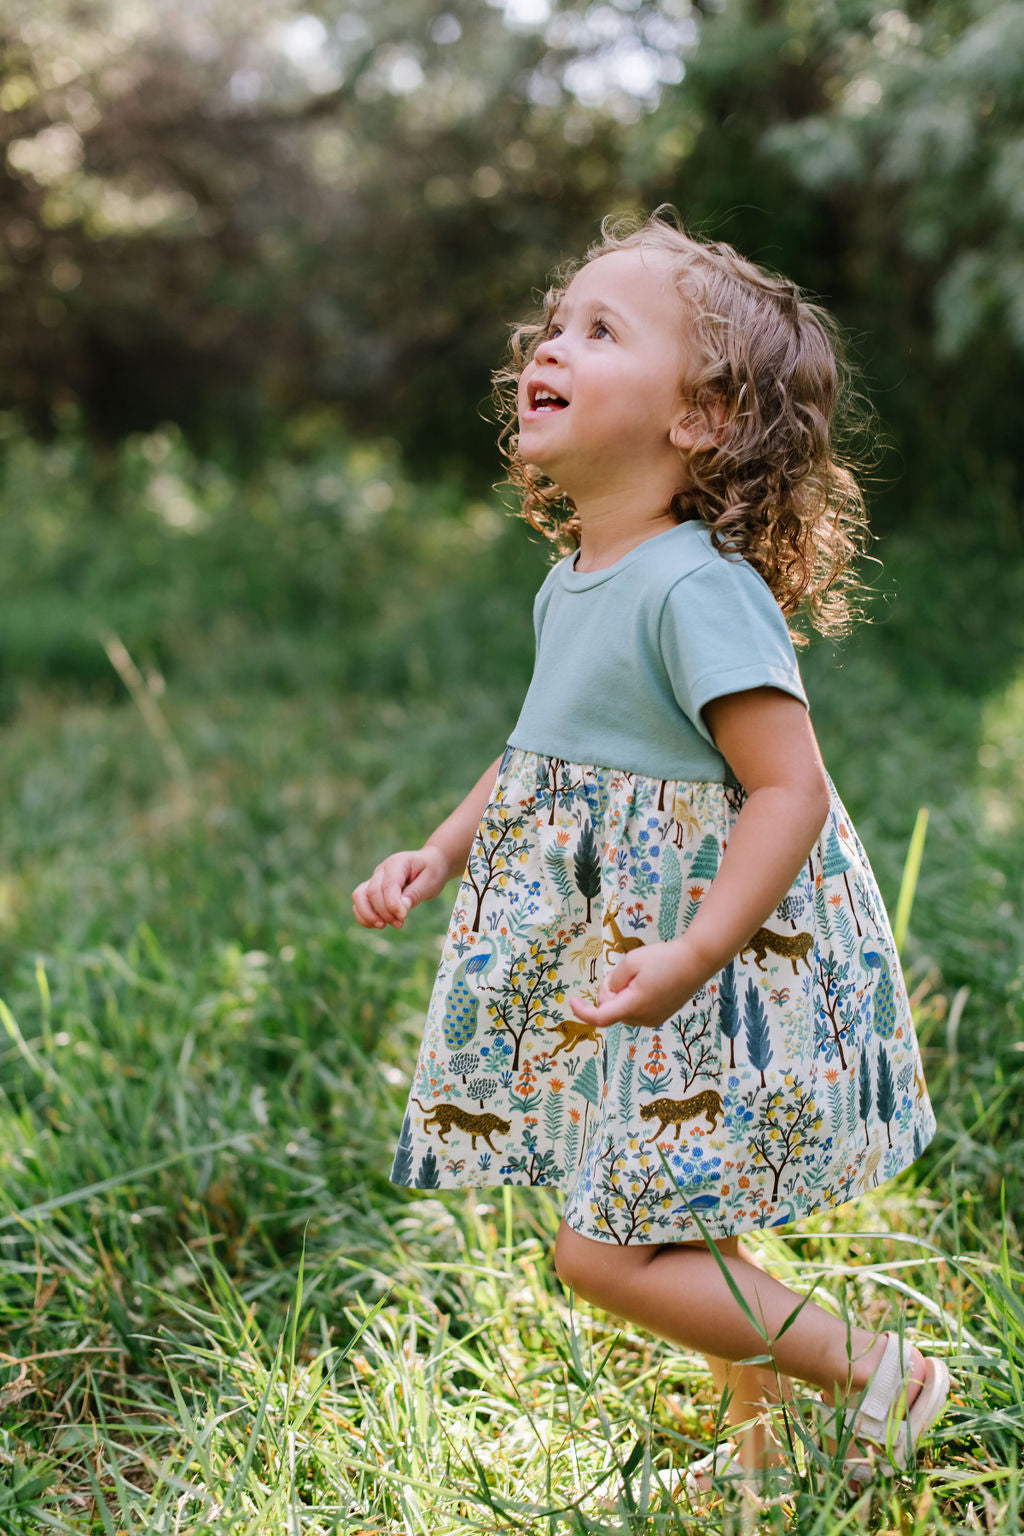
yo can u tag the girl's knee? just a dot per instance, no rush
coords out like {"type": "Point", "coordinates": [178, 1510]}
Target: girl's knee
{"type": "Point", "coordinates": [604, 1272]}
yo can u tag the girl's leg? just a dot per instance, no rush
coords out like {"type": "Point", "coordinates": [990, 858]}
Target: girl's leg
{"type": "Point", "coordinates": [678, 1291]}
{"type": "Point", "coordinates": [745, 1391]}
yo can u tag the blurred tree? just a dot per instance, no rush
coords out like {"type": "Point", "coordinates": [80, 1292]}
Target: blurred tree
{"type": "Point", "coordinates": [218, 218]}
{"type": "Point", "coordinates": [875, 152]}
{"type": "Point", "coordinates": [210, 217]}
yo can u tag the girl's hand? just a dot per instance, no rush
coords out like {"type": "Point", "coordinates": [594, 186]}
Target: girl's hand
{"type": "Point", "coordinates": [646, 987]}
{"type": "Point", "coordinates": [397, 885]}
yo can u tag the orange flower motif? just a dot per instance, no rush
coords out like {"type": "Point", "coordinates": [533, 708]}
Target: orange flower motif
{"type": "Point", "coordinates": [561, 838]}
{"type": "Point", "coordinates": [574, 1116]}
{"type": "Point", "coordinates": [831, 1074]}
{"type": "Point", "coordinates": [696, 892]}
{"type": "Point", "coordinates": [556, 1084]}
{"type": "Point", "coordinates": [835, 901]}
{"type": "Point", "coordinates": [743, 1181]}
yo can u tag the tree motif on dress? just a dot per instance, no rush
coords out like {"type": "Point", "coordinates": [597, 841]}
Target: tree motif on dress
{"type": "Point", "coordinates": [671, 894]}
{"type": "Point", "coordinates": [755, 1018]}
{"type": "Point", "coordinates": [586, 1084]}
{"type": "Point", "coordinates": [428, 1176]}
{"type": "Point", "coordinates": [885, 1099]}
{"type": "Point", "coordinates": [534, 987]}
{"type": "Point", "coordinates": [587, 866]}
{"type": "Point", "coordinates": [695, 1054]}
{"type": "Point", "coordinates": [705, 860]}
{"type": "Point", "coordinates": [401, 1172]}
{"type": "Point", "coordinates": [836, 1017]}
{"type": "Point", "coordinates": [864, 1098]}
{"type": "Point", "coordinates": [482, 1088]}
{"type": "Point", "coordinates": [499, 840]}
{"type": "Point", "coordinates": [790, 1119]}
{"type": "Point", "coordinates": [557, 787]}
{"type": "Point", "coordinates": [836, 862]}
{"type": "Point", "coordinates": [728, 1011]}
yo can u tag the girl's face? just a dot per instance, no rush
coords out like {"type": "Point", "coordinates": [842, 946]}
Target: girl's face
{"type": "Point", "coordinates": [601, 402]}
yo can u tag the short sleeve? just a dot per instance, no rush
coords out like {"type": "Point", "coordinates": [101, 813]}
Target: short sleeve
{"type": "Point", "coordinates": [721, 631]}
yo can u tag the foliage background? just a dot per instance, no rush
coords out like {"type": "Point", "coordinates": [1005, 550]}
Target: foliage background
{"type": "Point", "coordinates": [262, 617]}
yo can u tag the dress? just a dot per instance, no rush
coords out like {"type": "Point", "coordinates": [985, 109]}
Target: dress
{"type": "Point", "coordinates": [792, 1081]}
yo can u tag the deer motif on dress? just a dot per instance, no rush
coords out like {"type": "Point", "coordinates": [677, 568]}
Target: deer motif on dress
{"type": "Point", "coordinates": [620, 943]}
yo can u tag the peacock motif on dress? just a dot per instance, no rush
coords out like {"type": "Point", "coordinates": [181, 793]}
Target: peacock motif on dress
{"type": "Point", "coordinates": [461, 1005]}
{"type": "Point", "coordinates": [884, 997]}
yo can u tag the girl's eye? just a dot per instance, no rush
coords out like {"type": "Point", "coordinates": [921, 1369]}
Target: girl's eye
{"type": "Point", "coordinates": [600, 329]}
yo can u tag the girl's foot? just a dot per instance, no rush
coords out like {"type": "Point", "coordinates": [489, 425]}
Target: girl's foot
{"type": "Point", "coordinates": [902, 1396]}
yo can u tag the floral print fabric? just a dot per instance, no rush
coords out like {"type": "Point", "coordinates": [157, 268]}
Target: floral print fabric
{"type": "Point", "coordinates": [791, 1082]}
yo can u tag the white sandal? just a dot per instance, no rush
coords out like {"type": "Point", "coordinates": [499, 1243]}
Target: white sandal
{"type": "Point", "coordinates": [882, 1417]}
{"type": "Point", "coordinates": [722, 1462]}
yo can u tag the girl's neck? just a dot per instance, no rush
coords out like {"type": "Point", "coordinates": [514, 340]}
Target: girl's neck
{"type": "Point", "coordinates": [608, 531]}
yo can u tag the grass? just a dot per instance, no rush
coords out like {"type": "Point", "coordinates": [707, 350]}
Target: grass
{"type": "Point", "coordinates": [216, 1314]}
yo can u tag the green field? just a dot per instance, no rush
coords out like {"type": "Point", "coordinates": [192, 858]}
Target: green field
{"type": "Point", "coordinates": [221, 702]}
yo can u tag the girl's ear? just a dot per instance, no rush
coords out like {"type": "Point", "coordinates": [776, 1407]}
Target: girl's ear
{"type": "Point", "coordinates": [697, 426]}
{"type": "Point", "coordinates": [688, 430]}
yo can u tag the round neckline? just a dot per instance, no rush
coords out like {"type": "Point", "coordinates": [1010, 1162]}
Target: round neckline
{"type": "Point", "coordinates": [581, 581]}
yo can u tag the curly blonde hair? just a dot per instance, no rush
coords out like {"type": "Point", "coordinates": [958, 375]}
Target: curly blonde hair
{"type": "Point", "coordinates": [769, 478]}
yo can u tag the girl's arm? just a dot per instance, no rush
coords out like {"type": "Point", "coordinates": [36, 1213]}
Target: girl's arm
{"type": "Point", "coordinates": [405, 879]}
{"type": "Point", "coordinates": [766, 738]}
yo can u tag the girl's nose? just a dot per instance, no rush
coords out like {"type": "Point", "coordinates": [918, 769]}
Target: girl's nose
{"type": "Point", "coordinates": [547, 350]}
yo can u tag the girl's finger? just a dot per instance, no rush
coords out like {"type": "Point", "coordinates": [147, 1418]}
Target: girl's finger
{"type": "Point", "coordinates": [416, 892]}
{"type": "Point", "coordinates": [612, 1010]}
{"type": "Point", "coordinates": [365, 913]}
{"type": "Point", "coordinates": [617, 979]}
{"type": "Point", "coordinates": [393, 892]}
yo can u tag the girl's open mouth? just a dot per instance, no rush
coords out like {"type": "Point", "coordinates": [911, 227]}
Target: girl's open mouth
{"type": "Point", "coordinates": [546, 400]}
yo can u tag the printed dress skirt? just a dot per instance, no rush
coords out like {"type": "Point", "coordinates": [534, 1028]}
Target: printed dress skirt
{"type": "Point", "coordinates": [790, 1083]}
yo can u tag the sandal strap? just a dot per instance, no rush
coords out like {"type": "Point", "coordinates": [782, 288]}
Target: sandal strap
{"type": "Point", "coordinates": [882, 1403]}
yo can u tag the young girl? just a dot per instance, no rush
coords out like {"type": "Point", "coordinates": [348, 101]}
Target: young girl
{"type": "Point", "coordinates": [669, 984]}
